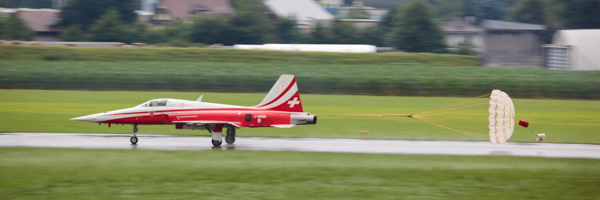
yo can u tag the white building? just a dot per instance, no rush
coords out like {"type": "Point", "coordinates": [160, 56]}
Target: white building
{"type": "Point", "coordinates": [307, 12]}
{"type": "Point", "coordinates": [574, 50]}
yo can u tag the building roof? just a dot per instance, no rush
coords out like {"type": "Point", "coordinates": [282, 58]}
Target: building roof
{"type": "Point", "coordinates": [459, 25]}
{"type": "Point", "coordinates": [585, 46]}
{"type": "Point", "coordinates": [304, 10]}
{"type": "Point", "coordinates": [504, 25]}
{"type": "Point", "coordinates": [40, 20]}
{"type": "Point", "coordinates": [185, 9]}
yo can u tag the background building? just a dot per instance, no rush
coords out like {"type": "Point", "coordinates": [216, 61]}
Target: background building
{"type": "Point", "coordinates": [512, 44]}
{"type": "Point", "coordinates": [41, 21]}
{"type": "Point", "coordinates": [464, 31]}
{"type": "Point", "coordinates": [168, 10]}
{"type": "Point", "coordinates": [307, 12]}
{"type": "Point", "coordinates": [574, 50]}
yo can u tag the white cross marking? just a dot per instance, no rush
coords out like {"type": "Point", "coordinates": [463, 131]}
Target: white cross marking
{"type": "Point", "coordinates": [293, 102]}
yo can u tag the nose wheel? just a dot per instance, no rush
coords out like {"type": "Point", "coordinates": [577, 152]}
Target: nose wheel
{"type": "Point", "coordinates": [134, 139]}
{"type": "Point", "coordinates": [217, 143]}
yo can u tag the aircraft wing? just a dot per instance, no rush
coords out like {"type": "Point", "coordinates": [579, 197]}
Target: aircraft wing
{"type": "Point", "coordinates": [202, 123]}
{"type": "Point", "coordinates": [283, 125]}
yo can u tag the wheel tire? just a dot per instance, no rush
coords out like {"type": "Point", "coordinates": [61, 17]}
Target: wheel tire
{"type": "Point", "coordinates": [216, 143]}
{"type": "Point", "coordinates": [230, 139]}
{"type": "Point", "coordinates": [133, 140]}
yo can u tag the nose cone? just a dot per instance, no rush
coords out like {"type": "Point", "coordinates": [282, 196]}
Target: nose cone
{"type": "Point", "coordinates": [82, 119]}
{"type": "Point", "coordinates": [87, 118]}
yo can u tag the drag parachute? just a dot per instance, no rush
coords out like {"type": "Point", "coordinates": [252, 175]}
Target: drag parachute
{"type": "Point", "coordinates": [469, 117]}
{"type": "Point", "coordinates": [501, 118]}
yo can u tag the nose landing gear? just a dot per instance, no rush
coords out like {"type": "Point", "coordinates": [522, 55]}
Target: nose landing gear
{"type": "Point", "coordinates": [134, 139]}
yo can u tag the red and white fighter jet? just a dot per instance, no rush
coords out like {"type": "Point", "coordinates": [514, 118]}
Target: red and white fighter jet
{"type": "Point", "coordinates": [281, 108]}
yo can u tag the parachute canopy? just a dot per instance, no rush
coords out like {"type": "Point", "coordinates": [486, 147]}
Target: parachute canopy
{"type": "Point", "coordinates": [501, 118]}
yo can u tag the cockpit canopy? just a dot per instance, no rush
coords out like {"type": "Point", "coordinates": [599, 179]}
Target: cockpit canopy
{"type": "Point", "coordinates": [154, 103]}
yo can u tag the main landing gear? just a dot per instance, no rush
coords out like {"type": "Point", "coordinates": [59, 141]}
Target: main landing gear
{"type": "Point", "coordinates": [230, 138]}
{"type": "Point", "coordinates": [217, 135]}
{"type": "Point", "coordinates": [134, 139]}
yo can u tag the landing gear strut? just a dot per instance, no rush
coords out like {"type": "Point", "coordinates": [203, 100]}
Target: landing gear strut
{"type": "Point", "coordinates": [134, 139]}
{"type": "Point", "coordinates": [217, 135]}
{"type": "Point", "coordinates": [230, 138]}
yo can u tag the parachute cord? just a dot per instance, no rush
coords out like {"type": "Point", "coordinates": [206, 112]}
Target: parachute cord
{"type": "Point", "coordinates": [458, 121]}
{"type": "Point", "coordinates": [463, 128]}
{"type": "Point", "coordinates": [460, 111]}
{"type": "Point", "coordinates": [444, 117]}
{"type": "Point", "coordinates": [368, 115]}
{"type": "Point", "coordinates": [460, 107]}
{"type": "Point", "coordinates": [457, 103]}
{"type": "Point", "coordinates": [450, 128]}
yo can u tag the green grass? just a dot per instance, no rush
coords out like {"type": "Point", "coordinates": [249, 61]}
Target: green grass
{"type": "Point", "coordinates": [13, 52]}
{"type": "Point", "coordinates": [46, 173]}
{"type": "Point", "coordinates": [573, 121]}
{"type": "Point", "coordinates": [344, 79]}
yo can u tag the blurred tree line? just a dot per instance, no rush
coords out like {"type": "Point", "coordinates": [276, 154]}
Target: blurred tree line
{"type": "Point", "coordinates": [406, 22]}
{"type": "Point", "coordinates": [409, 25]}
{"type": "Point", "coordinates": [14, 28]}
{"type": "Point", "coordinates": [251, 24]}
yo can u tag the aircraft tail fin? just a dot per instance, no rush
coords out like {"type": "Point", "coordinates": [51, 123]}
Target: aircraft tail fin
{"type": "Point", "coordinates": [283, 96]}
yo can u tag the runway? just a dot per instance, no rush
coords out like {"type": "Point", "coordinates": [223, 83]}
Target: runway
{"type": "Point", "coordinates": [170, 142]}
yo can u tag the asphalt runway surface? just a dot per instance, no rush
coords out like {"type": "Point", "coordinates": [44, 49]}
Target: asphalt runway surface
{"type": "Point", "coordinates": [174, 142]}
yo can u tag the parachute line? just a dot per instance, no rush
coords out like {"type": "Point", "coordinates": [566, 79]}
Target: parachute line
{"type": "Point", "coordinates": [466, 116]}
{"type": "Point", "coordinates": [455, 104]}
{"type": "Point", "coordinates": [464, 132]}
{"type": "Point", "coordinates": [469, 116]}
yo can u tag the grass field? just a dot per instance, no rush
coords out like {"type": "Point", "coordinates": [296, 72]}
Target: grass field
{"type": "Point", "coordinates": [44, 173]}
{"type": "Point", "coordinates": [317, 78]}
{"type": "Point", "coordinates": [573, 121]}
{"type": "Point", "coordinates": [13, 52]}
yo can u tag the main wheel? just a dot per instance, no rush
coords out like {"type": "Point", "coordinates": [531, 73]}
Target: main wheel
{"type": "Point", "coordinates": [216, 143]}
{"type": "Point", "coordinates": [230, 138]}
{"type": "Point", "coordinates": [133, 140]}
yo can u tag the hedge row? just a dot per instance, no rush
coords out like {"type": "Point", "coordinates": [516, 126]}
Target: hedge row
{"type": "Point", "coordinates": [355, 79]}
{"type": "Point", "coordinates": [170, 54]}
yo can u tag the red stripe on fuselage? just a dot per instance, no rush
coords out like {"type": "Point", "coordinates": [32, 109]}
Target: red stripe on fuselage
{"type": "Point", "coordinates": [257, 118]}
{"type": "Point", "coordinates": [196, 109]}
